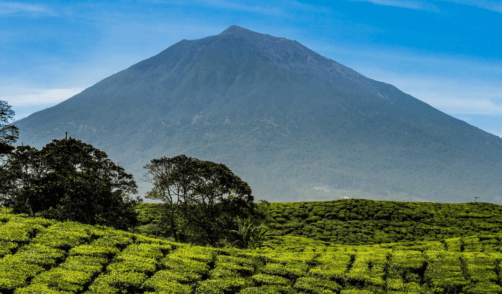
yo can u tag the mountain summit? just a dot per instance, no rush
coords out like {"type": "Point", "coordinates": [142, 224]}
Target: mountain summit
{"type": "Point", "coordinates": [293, 124]}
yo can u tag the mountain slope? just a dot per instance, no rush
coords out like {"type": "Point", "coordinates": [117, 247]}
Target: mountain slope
{"type": "Point", "coordinates": [282, 117]}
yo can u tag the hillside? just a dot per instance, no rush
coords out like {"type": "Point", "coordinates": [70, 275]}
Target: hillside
{"type": "Point", "coordinates": [44, 256]}
{"type": "Point", "coordinates": [361, 221]}
{"type": "Point", "coordinates": [293, 124]}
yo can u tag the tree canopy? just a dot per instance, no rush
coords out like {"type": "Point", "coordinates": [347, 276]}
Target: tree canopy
{"type": "Point", "coordinates": [201, 198]}
{"type": "Point", "coordinates": [69, 180]}
{"type": "Point", "coordinates": [8, 133]}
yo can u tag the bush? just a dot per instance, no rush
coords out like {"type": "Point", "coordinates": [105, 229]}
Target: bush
{"type": "Point", "coordinates": [316, 285]}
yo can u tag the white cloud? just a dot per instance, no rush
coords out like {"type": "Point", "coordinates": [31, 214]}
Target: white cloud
{"type": "Point", "coordinates": [453, 105]}
{"type": "Point", "coordinates": [19, 7]}
{"type": "Point", "coordinates": [409, 4]}
{"type": "Point", "coordinates": [225, 4]}
{"type": "Point", "coordinates": [244, 7]}
{"type": "Point", "coordinates": [277, 8]}
{"type": "Point", "coordinates": [493, 5]}
{"type": "Point", "coordinates": [34, 97]}
{"type": "Point", "coordinates": [450, 94]}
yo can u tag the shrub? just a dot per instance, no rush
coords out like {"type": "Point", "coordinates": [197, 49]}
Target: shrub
{"type": "Point", "coordinates": [14, 272]}
{"type": "Point", "coordinates": [162, 285]}
{"type": "Point", "coordinates": [6, 247]}
{"type": "Point", "coordinates": [268, 289]}
{"type": "Point", "coordinates": [316, 285]}
{"type": "Point", "coordinates": [92, 250]}
{"type": "Point", "coordinates": [264, 279]}
{"type": "Point", "coordinates": [225, 285]}
{"type": "Point", "coordinates": [39, 288]}
{"type": "Point", "coordinates": [290, 271]}
{"type": "Point", "coordinates": [332, 266]}
{"type": "Point", "coordinates": [174, 276]}
{"type": "Point", "coordinates": [444, 270]}
{"type": "Point", "coordinates": [17, 230]}
{"type": "Point", "coordinates": [64, 235]}
{"type": "Point", "coordinates": [40, 255]}
{"type": "Point", "coordinates": [180, 264]}
{"type": "Point", "coordinates": [128, 263]}
{"type": "Point", "coordinates": [114, 240]}
{"type": "Point", "coordinates": [113, 282]}
{"type": "Point", "coordinates": [63, 279]}
{"type": "Point", "coordinates": [481, 267]}
{"type": "Point", "coordinates": [241, 269]}
{"type": "Point", "coordinates": [87, 264]}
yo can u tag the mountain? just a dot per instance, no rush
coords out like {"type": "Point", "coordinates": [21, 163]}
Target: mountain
{"type": "Point", "coordinates": [293, 124]}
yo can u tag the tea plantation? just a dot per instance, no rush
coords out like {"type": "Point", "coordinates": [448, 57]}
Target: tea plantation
{"type": "Point", "coordinates": [361, 221]}
{"type": "Point", "coordinates": [45, 256]}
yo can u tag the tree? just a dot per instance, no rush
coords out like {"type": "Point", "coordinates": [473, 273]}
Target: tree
{"type": "Point", "coordinates": [201, 198]}
{"type": "Point", "coordinates": [8, 133]}
{"type": "Point", "coordinates": [69, 180]}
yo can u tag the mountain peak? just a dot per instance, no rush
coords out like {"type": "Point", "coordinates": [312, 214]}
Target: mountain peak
{"type": "Point", "coordinates": [236, 30]}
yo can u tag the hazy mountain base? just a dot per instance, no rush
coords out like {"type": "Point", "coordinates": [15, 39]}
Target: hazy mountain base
{"type": "Point", "coordinates": [313, 192]}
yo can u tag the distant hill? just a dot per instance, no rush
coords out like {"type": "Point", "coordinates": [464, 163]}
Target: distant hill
{"type": "Point", "coordinates": [293, 124]}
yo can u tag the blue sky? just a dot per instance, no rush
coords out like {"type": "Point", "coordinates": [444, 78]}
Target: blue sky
{"type": "Point", "coordinates": [447, 53]}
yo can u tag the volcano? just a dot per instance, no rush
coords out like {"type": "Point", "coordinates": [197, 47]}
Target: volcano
{"type": "Point", "coordinates": [295, 125]}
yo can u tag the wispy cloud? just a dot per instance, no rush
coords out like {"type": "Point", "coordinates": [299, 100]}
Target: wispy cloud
{"type": "Point", "coordinates": [493, 5]}
{"type": "Point", "coordinates": [225, 4]}
{"type": "Point", "coordinates": [409, 4]}
{"type": "Point", "coordinates": [453, 105]}
{"type": "Point", "coordinates": [19, 8]}
{"type": "Point", "coordinates": [33, 97]}
{"type": "Point", "coordinates": [244, 7]}
{"type": "Point", "coordinates": [276, 8]}
{"type": "Point", "coordinates": [452, 96]}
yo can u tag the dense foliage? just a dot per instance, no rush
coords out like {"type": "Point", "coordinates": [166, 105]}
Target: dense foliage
{"type": "Point", "coordinates": [45, 256]}
{"type": "Point", "coordinates": [8, 133]}
{"type": "Point", "coordinates": [201, 198]}
{"type": "Point", "coordinates": [68, 180]}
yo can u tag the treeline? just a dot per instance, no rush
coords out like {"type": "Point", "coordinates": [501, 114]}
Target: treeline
{"type": "Point", "coordinates": [68, 180]}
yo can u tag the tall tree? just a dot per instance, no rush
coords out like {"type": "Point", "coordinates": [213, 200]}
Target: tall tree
{"type": "Point", "coordinates": [70, 180]}
{"type": "Point", "coordinates": [8, 133]}
{"type": "Point", "coordinates": [201, 198]}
